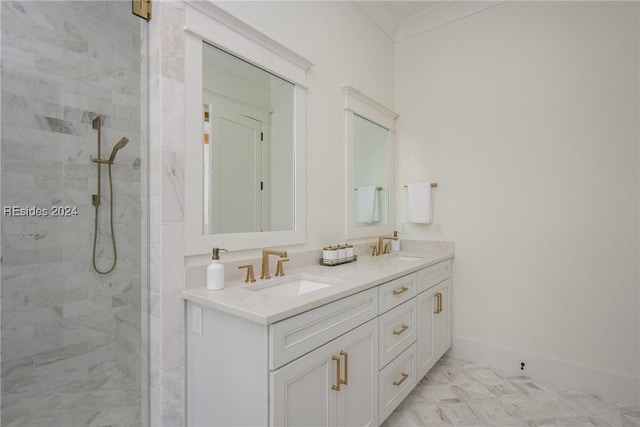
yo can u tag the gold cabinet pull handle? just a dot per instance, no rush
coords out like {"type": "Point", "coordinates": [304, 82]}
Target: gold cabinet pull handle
{"type": "Point", "coordinates": [404, 377]}
{"type": "Point", "coordinates": [345, 381]}
{"type": "Point", "coordinates": [439, 302]}
{"type": "Point", "coordinates": [400, 291]}
{"type": "Point", "coordinates": [437, 298]}
{"type": "Point", "coordinates": [337, 386]}
{"type": "Point", "coordinates": [404, 328]}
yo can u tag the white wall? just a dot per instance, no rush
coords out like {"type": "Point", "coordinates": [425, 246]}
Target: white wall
{"type": "Point", "coordinates": [526, 114]}
{"type": "Point", "coordinates": [346, 48]}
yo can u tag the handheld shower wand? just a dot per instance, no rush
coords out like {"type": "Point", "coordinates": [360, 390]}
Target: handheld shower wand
{"type": "Point", "coordinates": [124, 141]}
{"type": "Point", "coordinates": [95, 200]}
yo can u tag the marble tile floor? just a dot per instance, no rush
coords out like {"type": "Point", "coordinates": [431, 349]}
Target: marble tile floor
{"type": "Point", "coordinates": [458, 393]}
{"type": "Point", "coordinates": [111, 400]}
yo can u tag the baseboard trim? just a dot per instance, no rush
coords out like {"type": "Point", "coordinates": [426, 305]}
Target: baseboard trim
{"type": "Point", "coordinates": [608, 385]}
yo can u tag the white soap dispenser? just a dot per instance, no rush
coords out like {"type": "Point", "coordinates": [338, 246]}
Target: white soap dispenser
{"type": "Point", "coordinates": [395, 244]}
{"type": "Point", "coordinates": [215, 271]}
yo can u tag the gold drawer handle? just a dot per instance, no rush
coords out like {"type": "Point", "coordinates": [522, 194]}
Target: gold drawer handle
{"type": "Point", "coordinates": [400, 291]}
{"type": "Point", "coordinates": [404, 328]}
{"type": "Point", "coordinates": [437, 297]}
{"type": "Point", "coordinates": [404, 377]}
{"type": "Point", "coordinates": [439, 302]}
{"type": "Point", "coordinates": [345, 381]}
{"type": "Point", "coordinates": [337, 386]}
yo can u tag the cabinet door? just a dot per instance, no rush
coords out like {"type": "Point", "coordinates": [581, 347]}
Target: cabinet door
{"type": "Point", "coordinates": [442, 320]}
{"type": "Point", "coordinates": [301, 393]}
{"type": "Point", "coordinates": [357, 400]}
{"type": "Point", "coordinates": [427, 304]}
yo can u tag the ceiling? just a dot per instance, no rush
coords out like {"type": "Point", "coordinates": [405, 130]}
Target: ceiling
{"type": "Point", "coordinates": [401, 20]}
{"type": "Point", "coordinates": [404, 9]}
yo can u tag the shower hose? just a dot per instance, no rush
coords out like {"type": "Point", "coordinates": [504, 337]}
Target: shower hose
{"type": "Point", "coordinates": [95, 230]}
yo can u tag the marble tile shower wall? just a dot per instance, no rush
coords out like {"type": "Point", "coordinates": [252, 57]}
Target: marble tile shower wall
{"type": "Point", "coordinates": [63, 64]}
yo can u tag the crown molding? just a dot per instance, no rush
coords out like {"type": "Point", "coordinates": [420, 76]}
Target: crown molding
{"type": "Point", "coordinates": [380, 14]}
{"type": "Point", "coordinates": [434, 17]}
{"type": "Point", "coordinates": [438, 16]}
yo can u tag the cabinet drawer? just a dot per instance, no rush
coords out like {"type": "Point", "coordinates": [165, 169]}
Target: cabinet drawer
{"type": "Point", "coordinates": [397, 291]}
{"type": "Point", "coordinates": [300, 334]}
{"type": "Point", "coordinates": [397, 329]}
{"type": "Point", "coordinates": [395, 382]}
{"type": "Point", "coordinates": [431, 276]}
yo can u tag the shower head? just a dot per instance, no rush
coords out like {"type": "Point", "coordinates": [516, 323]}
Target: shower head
{"type": "Point", "coordinates": [124, 141]}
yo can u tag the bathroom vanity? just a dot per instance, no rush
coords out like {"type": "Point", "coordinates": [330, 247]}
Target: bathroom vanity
{"type": "Point", "coordinates": [331, 346]}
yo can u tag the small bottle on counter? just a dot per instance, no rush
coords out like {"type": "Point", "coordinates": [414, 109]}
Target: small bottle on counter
{"type": "Point", "coordinates": [395, 244]}
{"type": "Point", "coordinates": [215, 271]}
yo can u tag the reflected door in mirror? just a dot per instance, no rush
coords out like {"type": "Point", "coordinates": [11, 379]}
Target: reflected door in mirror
{"type": "Point", "coordinates": [233, 188]}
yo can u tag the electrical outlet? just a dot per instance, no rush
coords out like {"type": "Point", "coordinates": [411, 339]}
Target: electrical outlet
{"type": "Point", "coordinates": [437, 229]}
{"type": "Point", "coordinates": [196, 320]}
{"type": "Point", "coordinates": [403, 227]}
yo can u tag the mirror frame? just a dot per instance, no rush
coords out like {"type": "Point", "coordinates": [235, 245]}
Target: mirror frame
{"type": "Point", "coordinates": [357, 103]}
{"type": "Point", "coordinates": [206, 22]}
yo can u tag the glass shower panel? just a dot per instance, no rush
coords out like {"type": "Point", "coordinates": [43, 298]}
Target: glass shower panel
{"type": "Point", "coordinates": [74, 342]}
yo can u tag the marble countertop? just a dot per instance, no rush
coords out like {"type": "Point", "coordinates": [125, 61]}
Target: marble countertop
{"type": "Point", "coordinates": [238, 299]}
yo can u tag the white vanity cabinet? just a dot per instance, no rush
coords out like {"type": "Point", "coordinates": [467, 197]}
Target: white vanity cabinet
{"type": "Point", "coordinates": [346, 363]}
{"type": "Point", "coordinates": [434, 314]}
{"type": "Point", "coordinates": [333, 385]}
{"type": "Point", "coordinates": [442, 319]}
{"type": "Point", "coordinates": [242, 373]}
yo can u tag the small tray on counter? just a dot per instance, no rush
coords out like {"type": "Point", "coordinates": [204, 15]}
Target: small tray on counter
{"type": "Point", "coordinates": [355, 258]}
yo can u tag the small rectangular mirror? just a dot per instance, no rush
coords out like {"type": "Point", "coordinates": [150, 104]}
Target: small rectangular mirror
{"type": "Point", "coordinates": [369, 141]}
{"type": "Point", "coordinates": [371, 149]}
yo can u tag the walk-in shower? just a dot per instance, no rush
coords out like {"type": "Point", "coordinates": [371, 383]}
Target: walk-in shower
{"type": "Point", "coordinates": [74, 343]}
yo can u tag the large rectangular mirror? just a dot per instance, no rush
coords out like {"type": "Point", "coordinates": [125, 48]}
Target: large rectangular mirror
{"type": "Point", "coordinates": [369, 141]}
{"type": "Point", "coordinates": [248, 147]}
{"type": "Point", "coordinates": [244, 135]}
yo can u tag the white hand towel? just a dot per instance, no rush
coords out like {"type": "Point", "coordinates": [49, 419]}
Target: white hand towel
{"type": "Point", "coordinates": [367, 210]}
{"type": "Point", "coordinates": [419, 201]}
{"type": "Point", "coordinates": [376, 206]}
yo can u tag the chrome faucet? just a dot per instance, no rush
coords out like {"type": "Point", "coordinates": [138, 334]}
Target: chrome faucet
{"type": "Point", "coordinates": [265, 261]}
{"type": "Point", "coordinates": [382, 248]}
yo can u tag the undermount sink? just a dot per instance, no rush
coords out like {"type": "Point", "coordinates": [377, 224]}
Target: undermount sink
{"type": "Point", "coordinates": [295, 285]}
